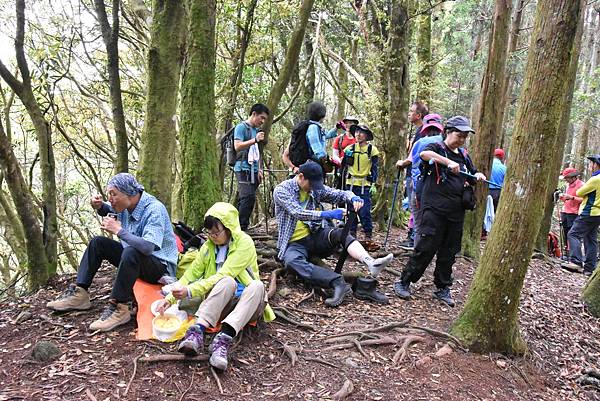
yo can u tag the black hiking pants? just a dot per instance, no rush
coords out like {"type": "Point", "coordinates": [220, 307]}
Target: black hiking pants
{"type": "Point", "coordinates": [247, 196]}
{"type": "Point", "coordinates": [131, 265]}
{"type": "Point", "coordinates": [439, 237]}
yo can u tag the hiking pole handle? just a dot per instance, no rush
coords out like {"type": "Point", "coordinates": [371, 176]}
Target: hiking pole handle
{"type": "Point", "coordinates": [467, 174]}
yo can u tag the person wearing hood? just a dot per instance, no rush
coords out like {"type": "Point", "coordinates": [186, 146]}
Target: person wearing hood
{"type": "Point", "coordinates": [225, 273]}
{"type": "Point", "coordinates": [585, 226]}
{"type": "Point", "coordinates": [443, 206]}
{"type": "Point", "coordinates": [147, 250]}
{"type": "Point", "coordinates": [362, 159]}
{"type": "Point", "coordinates": [305, 230]}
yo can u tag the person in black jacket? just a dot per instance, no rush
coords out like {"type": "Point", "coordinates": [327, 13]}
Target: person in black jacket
{"type": "Point", "coordinates": [443, 205]}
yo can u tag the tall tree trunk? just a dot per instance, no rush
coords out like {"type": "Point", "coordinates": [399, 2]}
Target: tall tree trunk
{"type": "Point", "coordinates": [24, 91]}
{"type": "Point", "coordinates": [199, 159]}
{"type": "Point", "coordinates": [37, 265]}
{"type": "Point", "coordinates": [563, 126]}
{"type": "Point", "coordinates": [110, 36]}
{"type": "Point", "coordinates": [509, 77]}
{"type": "Point", "coordinates": [488, 122]}
{"type": "Point", "coordinates": [393, 137]}
{"type": "Point", "coordinates": [290, 63]}
{"type": "Point", "coordinates": [425, 76]}
{"type": "Point", "coordinates": [15, 235]}
{"type": "Point", "coordinates": [490, 321]}
{"type": "Point", "coordinates": [165, 56]}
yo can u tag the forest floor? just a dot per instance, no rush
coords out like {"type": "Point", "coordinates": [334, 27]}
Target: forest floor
{"type": "Point", "coordinates": [282, 361]}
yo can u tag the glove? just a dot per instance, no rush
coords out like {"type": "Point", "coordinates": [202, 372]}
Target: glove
{"type": "Point", "coordinates": [336, 214]}
{"type": "Point", "coordinates": [373, 190]}
{"type": "Point", "coordinates": [340, 125]}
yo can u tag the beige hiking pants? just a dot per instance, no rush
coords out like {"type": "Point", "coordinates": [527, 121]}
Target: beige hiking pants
{"type": "Point", "coordinates": [221, 303]}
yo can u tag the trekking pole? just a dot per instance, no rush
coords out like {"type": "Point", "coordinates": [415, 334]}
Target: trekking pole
{"type": "Point", "coordinates": [466, 174]}
{"type": "Point", "coordinates": [556, 196]}
{"type": "Point", "coordinates": [349, 221]}
{"type": "Point", "coordinates": [389, 227]}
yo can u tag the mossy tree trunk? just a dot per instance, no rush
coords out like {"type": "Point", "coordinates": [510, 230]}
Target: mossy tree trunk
{"type": "Point", "coordinates": [110, 36]}
{"type": "Point", "coordinates": [393, 137]}
{"type": "Point", "coordinates": [37, 268]}
{"type": "Point", "coordinates": [199, 156]}
{"type": "Point", "coordinates": [289, 64]}
{"type": "Point", "coordinates": [24, 91]}
{"type": "Point", "coordinates": [425, 75]}
{"type": "Point", "coordinates": [591, 294]}
{"type": "Point", "coordinates": [489, 121]}
{"type": "Point", "coordinates": [165, 56]}
{"type": "Point", "coordinates": [489, 321]}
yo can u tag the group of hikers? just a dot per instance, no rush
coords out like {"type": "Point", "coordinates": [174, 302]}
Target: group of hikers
{"type": "Point", "coordinates": [224, 274]}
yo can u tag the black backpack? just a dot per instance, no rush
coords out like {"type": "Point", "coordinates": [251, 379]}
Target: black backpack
{"type": "Point", "coordinates": [228, 148]}
{"type": "Point", "coordinates": [299, 149]}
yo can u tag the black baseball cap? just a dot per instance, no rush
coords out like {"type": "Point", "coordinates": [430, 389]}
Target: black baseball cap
{"type": "Point", "coordinates": [460, 123]}
{"type": "Point", "coordinates": [595, 158]}
{"type": "Point", "coordinates": [314, 173]}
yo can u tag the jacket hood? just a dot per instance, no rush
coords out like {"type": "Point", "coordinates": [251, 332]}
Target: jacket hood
{"type": "Point", "coordinates": [228, 215]}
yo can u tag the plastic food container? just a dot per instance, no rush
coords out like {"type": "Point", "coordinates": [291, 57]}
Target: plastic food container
{"type": "Point", "coordinates": [165, 326]}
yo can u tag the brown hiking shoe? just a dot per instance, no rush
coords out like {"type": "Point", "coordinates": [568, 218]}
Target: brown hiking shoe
{"type": "Point", "coordinates": [74, 298]}
{"type": "Point", "coordinates": [114, 315]}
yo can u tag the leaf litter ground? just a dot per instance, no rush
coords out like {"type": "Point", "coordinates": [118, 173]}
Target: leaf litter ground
{"type": "Point", "coordinates": [359, 351]}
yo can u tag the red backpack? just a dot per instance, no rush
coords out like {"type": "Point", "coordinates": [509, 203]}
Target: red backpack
{"type": "Point", "coordinates": [553, 245]}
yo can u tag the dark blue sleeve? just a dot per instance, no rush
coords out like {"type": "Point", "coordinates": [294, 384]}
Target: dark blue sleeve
{"type": "Point", "coordinates": [374, 168]}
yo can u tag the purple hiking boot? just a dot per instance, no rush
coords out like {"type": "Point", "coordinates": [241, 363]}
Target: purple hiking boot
{"type": "Point", "coordinates": [219, 349]}
{"type": "Point", "coordinates": [192, 343]}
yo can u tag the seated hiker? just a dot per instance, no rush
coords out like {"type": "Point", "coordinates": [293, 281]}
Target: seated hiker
{"type": "Point", "coordinates": [362, 159]}
{"type": "Point", "coordinates": [309, 140]}
{"type": "Point", "coordinates": [305, 231]}
{"type": "Point", "coordinates": [585, 226]}
{"type": "Point", "coordinates": [147, 250]}
{"type": "Point", "coordinates": [225, 273]}
{"type": "Point", "coordinates": [443, 207]}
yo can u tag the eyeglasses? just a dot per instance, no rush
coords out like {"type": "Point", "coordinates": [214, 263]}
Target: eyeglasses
{"type": "Point", "coordinates": [211, 234]}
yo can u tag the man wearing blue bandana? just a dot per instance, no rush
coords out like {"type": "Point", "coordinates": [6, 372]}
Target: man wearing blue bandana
{"type": "Point", "coordinates": [146, 250]}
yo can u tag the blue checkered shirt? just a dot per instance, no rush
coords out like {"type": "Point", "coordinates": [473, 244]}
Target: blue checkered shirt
{"type": "Point", "coordinates": [150, 221]}
{"type": "Point", "coordinates": [288, 209]}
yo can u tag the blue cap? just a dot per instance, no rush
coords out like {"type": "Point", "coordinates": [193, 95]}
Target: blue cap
{"type": "Point", "coordinates": [314, 173]}
{"type": "Point", "coordinates": [459, 123]}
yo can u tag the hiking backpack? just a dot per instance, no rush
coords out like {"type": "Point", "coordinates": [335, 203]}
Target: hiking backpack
{"type": "Point", "coordinates": [299, 149]}
{"type": "Point", "coordinates": [228, 147]}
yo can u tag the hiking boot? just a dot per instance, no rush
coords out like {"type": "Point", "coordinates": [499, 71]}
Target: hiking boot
{"type": "Point", "coordinates": [402, 289]}
{"type": "Point", "coordinates": [220, 348]}
{"type": "Point", "coordinates": [339, 292]}
{"type": "Point", "coordinates": [443, 294]}
{"type": "Point", "coordinates": [376, 266]}
{"type": "Point", "coordinates": [114, 315]}
{"type": "Point", "coordinates": [193, 342]}
{"type": "Point", "coordinates": [572, 267]}
{"type": "Point", "coordinates": [74, 298]}
{"type": "Point", "coordinates": [365, 290]}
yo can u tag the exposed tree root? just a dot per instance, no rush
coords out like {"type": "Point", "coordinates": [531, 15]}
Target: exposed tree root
{"type": "Point", "coordinates": [376, 341]}
{"type": "Point", "coordinates": [385, 327]}
{"type": "Point", "coordinates": [291, 353]}
{"type": "Point", "coordinates": [401, 353]}
{"type": "Point", "coordinates": [173, 358]}
{"type": "Point", "coordinates": [306, 297]}
{"type": "Point", "coordinates": [273, 283]}
{"type": "Point", "coordinates": [344, 392]}
{"type": "Point", "coordinates": [283, 316]}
